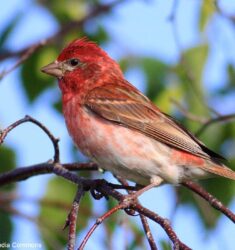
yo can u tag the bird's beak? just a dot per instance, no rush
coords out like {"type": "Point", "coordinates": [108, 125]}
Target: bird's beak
{"type": "Point", "coordinates": [53, 69]}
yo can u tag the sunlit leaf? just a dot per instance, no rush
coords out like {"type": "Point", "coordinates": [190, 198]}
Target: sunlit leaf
{"type": "Point", "coordinates": [207, 10]}
{"type": "Point", "coordinates": [190, 72]}
{"type": "Point", "coordinates": [66, 10]}
{"type": "Point", "coordinates": [231, 75]}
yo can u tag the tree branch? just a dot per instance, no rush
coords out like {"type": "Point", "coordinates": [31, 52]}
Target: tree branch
{"type": "Point", "coordinates": [215, 203]}
{"type": "Point", "coordinates": [54, 140]}
{"type": "Point", "coordinates": [98, 222]}
{"type": "Point", "coordinates": [99, 189]}
{"type": "Point", "coordinates": [23, 173]}
{"type": "Point", "coordinates": [218, 119]}
{"type": "Point", "coordinates": [72, 218]}
{"type": "Point", "coordinates": [143, 219]}
{"type": "Point", "coordinates": [25, 53]}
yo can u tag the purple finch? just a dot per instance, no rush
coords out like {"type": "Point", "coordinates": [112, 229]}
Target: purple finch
{"type": "Point", "coordinates": [120, 129]}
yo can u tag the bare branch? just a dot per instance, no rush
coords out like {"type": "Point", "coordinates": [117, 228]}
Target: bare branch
{"type": "Point", "coordinates": [206, 122]}
{"type": "Point", "coordinates": [210, 198]}
{"type": "Point", "coordinates": [55, 141]}
{"type": "Point", "coordinates": [218, 119]}
{"type": "Point", "coordinates": [187, 114]}
{"type": "Point", "coordinates": [98, 222]}
{"type": "Point", "coordinates": [143, 219]}
{"type": "Point", "coordinates": [23, 173]}
{"type": "Point", "coordinates": [164, 223]}
{"type": "Point", "coordinates": [72, 218]}
{"type": "Point", "coordinates": [104, 189]}
{"type": "Point", "coordinates": [148, 232]}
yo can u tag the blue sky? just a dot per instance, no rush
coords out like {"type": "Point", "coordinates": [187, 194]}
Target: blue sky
{"type": "Point", "coordinates": [137, 27]}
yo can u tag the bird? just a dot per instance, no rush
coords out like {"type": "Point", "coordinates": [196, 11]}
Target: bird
{"type": "Point", "coordinates": [120, 129]}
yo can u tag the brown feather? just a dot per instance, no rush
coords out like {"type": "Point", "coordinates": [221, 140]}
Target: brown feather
{"type": "Point", "coordinates": [128, 107]}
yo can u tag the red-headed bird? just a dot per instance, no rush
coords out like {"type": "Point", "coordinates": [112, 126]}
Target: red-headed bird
{"type": "Point", "coordinates": [120, 129]}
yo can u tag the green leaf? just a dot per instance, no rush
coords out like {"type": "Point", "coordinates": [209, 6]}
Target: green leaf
{"type": "Point", "coordinates": [66, 10]}
{"type": "Point", "coordinates": [156, 73]}
{"type": "Point", "coordinates": [58, 106]}
{"type": "Point", "coordinates": [53, 218]}
{"type": "Point", "coordinates": [8, 159]}
{"type": "Point", "coordinates": [100, 35]}
{"type": "Point", "coordinates": [34, 81]}
{"type": "Point", "coordinates": [190, 73]}
{"type": "Point", "coordinates": [165, 245]}
{"type": "Point", "coordinates": [231, 74]}
{"type": "Point", "coordinates": [6, 228]}
{"type": "Point", "coordinates": [8, 162]}
{"type": "Point", "coordinates": [163, 101]}
{"type": "Point", "coordinates": [207, 10]}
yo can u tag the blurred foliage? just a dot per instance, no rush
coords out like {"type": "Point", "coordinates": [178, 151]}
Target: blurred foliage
{"type": "Point", "coordinates": [207, 10]}
{"type": "Point", "coordinates": [8, 162]}
{"type": "Point", "coordinates": [183, 82]}
{"type": "Point", "coordinates": [165, 245]}
{"type": "Point", "coordinates": [53, 218]}
{"type": "Point", "coordinates": [35, 83]}
{"type": "Point", "coordinates": [66, 10]}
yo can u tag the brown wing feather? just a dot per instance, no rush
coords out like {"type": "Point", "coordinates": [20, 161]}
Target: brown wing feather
{"type": "Point", "coordinates": [129, 108]}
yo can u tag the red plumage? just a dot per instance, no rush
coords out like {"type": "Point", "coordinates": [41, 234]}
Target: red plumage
{"type": "Point", "coordinates": [121, 129]}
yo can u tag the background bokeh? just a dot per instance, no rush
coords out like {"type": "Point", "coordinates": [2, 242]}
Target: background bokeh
{"type": "Point", "coordinates": [177, 52]}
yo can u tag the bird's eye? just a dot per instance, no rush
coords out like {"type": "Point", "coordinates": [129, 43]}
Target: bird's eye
{"type": "Point", "coordinates": [74, 62]}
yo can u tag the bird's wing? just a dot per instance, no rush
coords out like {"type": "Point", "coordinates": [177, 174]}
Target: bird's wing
{"type": "Point", "coordinates": [126, 106]}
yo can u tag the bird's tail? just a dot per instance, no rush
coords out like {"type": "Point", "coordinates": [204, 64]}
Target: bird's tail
{"type": "Point", "coordinates": [220, 170]}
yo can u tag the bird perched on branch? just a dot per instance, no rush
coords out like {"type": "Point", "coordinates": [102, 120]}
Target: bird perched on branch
{"type": "Point", "coordinates": [119, 128]}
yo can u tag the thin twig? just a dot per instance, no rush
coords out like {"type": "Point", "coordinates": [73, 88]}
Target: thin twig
{"type": "Point", "coordinates": [27, 53]}
{"type": "Point", "coordinates": [143, 219]}
{"type": "Point", "coordinates": [164, 223]}
{"type": "Point", "coordinates": [206, 122]}
{"type": "Point", "coordinates": [54, 140]}
{"type": "Point", "coordinates": [98, 222]}
{"type": "Point", "coordinates": [188, 114]}
{"type": "Point", "coordinates": [72, 218]}
{"type": "Point", "coordinates": [148, 232]}
{"type": "Point", "coordinates": [218, 119]}
{"type": "Point", "coordinates": [215, 203]}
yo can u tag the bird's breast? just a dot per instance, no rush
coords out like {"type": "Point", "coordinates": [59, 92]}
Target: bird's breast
{"type": "Point", "coordinates": [125, 152]}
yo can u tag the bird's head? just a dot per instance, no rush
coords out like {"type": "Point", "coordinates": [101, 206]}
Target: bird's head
{"type": "Point", "coordinates": [82, 64]}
